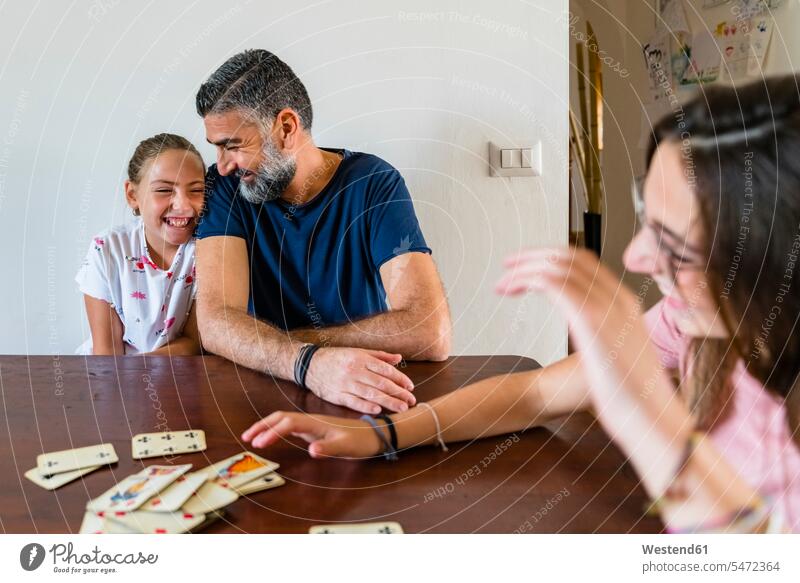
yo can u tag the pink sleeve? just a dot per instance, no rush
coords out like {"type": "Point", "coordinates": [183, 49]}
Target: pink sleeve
{"type": "Point", "coordinates": [664, 334]}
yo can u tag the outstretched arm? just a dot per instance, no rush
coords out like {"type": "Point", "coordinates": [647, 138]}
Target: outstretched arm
{"type": "Point", "coordinates": [494, 406]}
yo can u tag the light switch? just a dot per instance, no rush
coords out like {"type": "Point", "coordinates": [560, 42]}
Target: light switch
{"type": "Point", "coordinates": [519, 157]}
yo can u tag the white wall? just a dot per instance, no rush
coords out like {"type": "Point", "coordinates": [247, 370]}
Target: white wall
{"type": "Point", "coordinates": [424, 88]}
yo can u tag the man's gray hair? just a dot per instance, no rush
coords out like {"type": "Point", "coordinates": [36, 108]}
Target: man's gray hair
{"type": "Point", "coordinates": [257, 82]}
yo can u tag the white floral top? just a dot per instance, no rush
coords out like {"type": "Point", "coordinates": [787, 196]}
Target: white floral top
{"type": "Point", "coordinates": [152, 304]}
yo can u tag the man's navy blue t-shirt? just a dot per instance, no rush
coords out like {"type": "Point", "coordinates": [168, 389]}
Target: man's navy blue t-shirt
{"type": "Point", "coordinates": [317, 264]}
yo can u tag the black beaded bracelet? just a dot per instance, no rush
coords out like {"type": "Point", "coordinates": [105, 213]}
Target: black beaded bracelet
{"type": "Point", "coordinates": [302, 362]}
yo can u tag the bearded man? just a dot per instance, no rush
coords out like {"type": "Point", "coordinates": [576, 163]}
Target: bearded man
{"type": "Point", "coordinates": [311, 263]}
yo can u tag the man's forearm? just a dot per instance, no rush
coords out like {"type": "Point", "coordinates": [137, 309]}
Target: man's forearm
{"type": "Point", "coordinates": [415, 334]}
{"type": "Point", "coordinates": [236, 335]}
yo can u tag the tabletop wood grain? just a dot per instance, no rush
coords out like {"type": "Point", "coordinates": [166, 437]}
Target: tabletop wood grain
{"type": "Point", "coordinates": [563, 477]}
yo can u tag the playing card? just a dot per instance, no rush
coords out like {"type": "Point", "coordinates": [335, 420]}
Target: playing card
{"type": "Point", "coordinates": [156, 522]}
{"type": "Point", "coordinates": [56, 480]}
{"type": "Point", "coordinates": [267, 482]}
{"type": "Point", "coordinates": [173, 496]}
{"type": "Point", "coordinates": [97, 523]}
{"type": "Point", "coordinates": [92, 523]}
{"type": "Point", "coordinates": [211, 517]}
{"type": "Point", "coordinates": [73, 459]}
{"type": "Point", "coordinates": [146, 445]}
{"type": "Point", "coordinates": [211, 496]}
{"type": "Point", "coordinates": [133, 491]}
{"type": "Point", "coordinates": [239, 469]}
{"type": "Point", "coordinates": [358, 528]}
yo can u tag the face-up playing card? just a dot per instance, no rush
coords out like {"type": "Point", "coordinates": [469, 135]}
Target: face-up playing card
{"type": "Point", "coordinates": [56, 480]}
{"type": "Point", "coordinates": [97, 523]}
{"type": "Point", "coordinates": [173, 497]}
{"type": "Point", "coordinates": [267, 482]}
{"type": "Point", "coordinates": [239, 469]}
{"type": "Point", "coordinates": [135, 490]}
{"type": "Point", "coordinates": [147, 445]}
{"type": "Point", "coordinates": [156, 522]}
{"type": "Point", "coordinates": [73, 459]}
{"type": "Point", "coordinates": [210, 497]}
{"type": "Point", "coordinates": [359, 528]}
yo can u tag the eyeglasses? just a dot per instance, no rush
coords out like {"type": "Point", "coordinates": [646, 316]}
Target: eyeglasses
{"type": "Point", "coordinates": [671, 258]}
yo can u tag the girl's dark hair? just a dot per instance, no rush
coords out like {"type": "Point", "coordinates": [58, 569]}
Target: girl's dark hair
{"type": "Point", "coordinates": [152, 147]}
{"type": "Point", "coordinates": [741, 152]}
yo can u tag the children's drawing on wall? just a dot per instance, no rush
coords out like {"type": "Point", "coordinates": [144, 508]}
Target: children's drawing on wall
{"type": "Point", "coordinates": [680, 54]}
{"type": "Point", "coordinates": [744, 45]}
{"type": "Point", "coordinates": [704, 60]}
{"type": "Point", "coordinates": [673, 16]}
{"type": "Point", "coordinates": [760, 35]}
{"type": "Point", "coordinates": [659, 73]}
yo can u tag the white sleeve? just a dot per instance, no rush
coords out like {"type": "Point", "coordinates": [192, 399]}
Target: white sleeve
{"type": "Point", "coordinates": [93, 276]}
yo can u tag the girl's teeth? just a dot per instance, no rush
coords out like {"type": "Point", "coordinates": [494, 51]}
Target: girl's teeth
{"type": "Point", "coordinates": [177, 222]}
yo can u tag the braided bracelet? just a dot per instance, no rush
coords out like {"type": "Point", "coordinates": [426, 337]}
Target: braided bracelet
{"type": "Point", "coordinates": [436, 422]}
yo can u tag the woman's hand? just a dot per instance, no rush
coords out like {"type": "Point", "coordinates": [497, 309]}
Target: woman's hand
{"type": "Point", "coordinates": [327, 436]}
{"type": "Point", "coordinates": [631, 392]}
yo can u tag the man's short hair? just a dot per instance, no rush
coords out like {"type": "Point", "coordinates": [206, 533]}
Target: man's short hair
{"type": "Point", "coordinates": [257, 82]}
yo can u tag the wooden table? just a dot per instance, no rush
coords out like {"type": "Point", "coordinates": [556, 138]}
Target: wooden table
{"type": "Point", "coordinates": [564, 477]}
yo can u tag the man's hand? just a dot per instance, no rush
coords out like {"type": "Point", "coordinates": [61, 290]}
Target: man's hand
{"type": "Point", "coordinates": [363, 380]}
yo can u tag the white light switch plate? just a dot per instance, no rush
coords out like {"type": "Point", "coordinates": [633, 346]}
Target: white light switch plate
{"type": "Point", "coordinates": [496, 165]}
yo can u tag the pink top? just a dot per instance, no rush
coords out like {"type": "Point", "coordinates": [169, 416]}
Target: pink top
{"type": "Point", "coordinates": [755, 438]}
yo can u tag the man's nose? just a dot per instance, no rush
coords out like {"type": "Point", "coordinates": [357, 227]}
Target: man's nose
{"type": "Point", "coordinates": [225, 165]}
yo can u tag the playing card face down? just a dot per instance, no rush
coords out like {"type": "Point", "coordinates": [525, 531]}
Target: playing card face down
{"type": "Point", "coordinates": [169, 443]}
{"type": "Point", "coordinates": [239, 469]}
{"type": "Point", "coordinates": [135, 490]}
{"type": "Point", "coordinates": [57, 480]}
{"type": "Point", "coordinates": [58, 462]}
{"type": "Point", "coordinates": [358, 528]}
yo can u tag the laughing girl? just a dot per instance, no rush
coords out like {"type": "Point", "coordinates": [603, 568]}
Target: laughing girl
{"type": "Point", "coordinates": [138, 279]}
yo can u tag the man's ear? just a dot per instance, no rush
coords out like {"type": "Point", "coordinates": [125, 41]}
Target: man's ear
{"type": "Point", "coordinates": [130, 195]}
{"type": "Point", "coordinates": [288, 128]}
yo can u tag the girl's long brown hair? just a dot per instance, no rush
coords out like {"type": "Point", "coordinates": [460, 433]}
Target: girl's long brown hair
{"type": "Point", "coordinates": [741, 148]}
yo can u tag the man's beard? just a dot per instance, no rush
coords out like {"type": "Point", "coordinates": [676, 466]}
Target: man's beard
{"type": "Point", "coordinates": [272, 178]}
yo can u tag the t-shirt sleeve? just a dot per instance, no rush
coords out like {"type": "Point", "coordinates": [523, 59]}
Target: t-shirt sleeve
{"type": "Point", "coordinates": [221, 213]}
{"type": "Point", "coordinates": [93, 275]}
{"type": "Point", "coordinates": [664, 335]}
{"type": "Point", "coordinates": [393, 225]}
